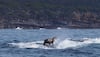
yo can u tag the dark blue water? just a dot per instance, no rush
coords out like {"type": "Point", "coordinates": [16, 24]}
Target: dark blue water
{"type": "Point", "coordinates": [64, 46]}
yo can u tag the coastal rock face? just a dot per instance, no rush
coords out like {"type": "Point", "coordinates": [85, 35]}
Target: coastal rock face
{"type": "Point", "coordinates": [31, 14]}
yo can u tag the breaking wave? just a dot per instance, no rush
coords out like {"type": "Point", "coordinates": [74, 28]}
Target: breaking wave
{"type": "Point", "coordinates": [59, 44]}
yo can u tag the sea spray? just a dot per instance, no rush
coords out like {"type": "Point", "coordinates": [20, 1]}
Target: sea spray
{"type": "Point", "coordinates": [59, 44]}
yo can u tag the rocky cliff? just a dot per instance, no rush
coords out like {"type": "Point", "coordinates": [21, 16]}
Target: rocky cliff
{"type": "Point", "coordinates": [50, 13]}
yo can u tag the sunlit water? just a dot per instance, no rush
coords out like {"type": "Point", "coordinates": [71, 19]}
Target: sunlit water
{"type": "Point", "coordinates": [69, 43]}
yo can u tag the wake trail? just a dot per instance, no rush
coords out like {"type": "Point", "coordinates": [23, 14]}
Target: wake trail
{"type": "Point", "coordinates": [59, 44]}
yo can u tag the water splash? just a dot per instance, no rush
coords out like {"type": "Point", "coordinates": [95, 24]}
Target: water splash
{"type": "Point", "coordinates": [63, 44]}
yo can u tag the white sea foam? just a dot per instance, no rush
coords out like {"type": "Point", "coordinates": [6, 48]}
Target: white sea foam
{"type": "Point", "coordinates": [67, 44]}
{"type": "Point", "coordinates": [19, 28]}
{"type": "Point", "coordinates": [59, 44]}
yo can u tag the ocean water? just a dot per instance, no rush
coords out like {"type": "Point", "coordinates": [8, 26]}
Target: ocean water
{"type": "Point", "coordinates": [69, 43]}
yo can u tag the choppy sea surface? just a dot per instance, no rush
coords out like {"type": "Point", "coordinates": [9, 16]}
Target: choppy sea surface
{"type": "Point", "coordinates": [69, 43]}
